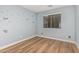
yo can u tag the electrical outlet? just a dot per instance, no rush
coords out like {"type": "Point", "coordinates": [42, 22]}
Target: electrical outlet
{"type": "Point", "coordinates": [5, 31]}
{"type": "Point", "coordinates": [69, 36]}
{"type": "Point", "coordinates": [41, 33]}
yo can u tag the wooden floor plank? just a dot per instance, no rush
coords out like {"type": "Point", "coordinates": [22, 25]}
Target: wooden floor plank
{"type": "Point", "coordinates": [34, 46]}
{"type": "Point", "coordinates": [22, 47]}
{"type": "Point", "coordinates": [41, 45]}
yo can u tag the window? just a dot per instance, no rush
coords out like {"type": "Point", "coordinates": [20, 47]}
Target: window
{"type": "Point", "coordinates": [52, 21]}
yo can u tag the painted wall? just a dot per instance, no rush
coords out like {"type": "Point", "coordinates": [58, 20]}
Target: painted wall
{"type": "Point", "coordinates": [67, 24]}
{"type": "Point", "coordinates": [22, 23]}
{"type": "Point", "coordinates": [16, 23]}
{"type": "Point", "coordinates": [77, 24]}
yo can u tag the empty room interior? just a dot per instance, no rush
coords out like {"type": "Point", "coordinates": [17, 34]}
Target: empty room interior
{"type": "Point", "coordinates": [39, 29]}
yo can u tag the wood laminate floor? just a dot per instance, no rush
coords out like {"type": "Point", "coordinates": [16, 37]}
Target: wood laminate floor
{"type": "Point", "coordinates": [41, 45]}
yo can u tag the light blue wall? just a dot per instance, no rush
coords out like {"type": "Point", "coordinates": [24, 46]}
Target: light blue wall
{"type": "Point", "coordinates": [21, 24]}
{"type": "Point", "coordinates": [67, 24]}
{"type": "Point", "coordinates": [77, 24]}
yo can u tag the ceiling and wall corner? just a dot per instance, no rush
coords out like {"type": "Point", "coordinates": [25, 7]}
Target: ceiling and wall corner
{"type": "Point", "coordinates": [41, 8]}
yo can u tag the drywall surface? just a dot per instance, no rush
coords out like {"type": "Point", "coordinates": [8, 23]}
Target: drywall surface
{"type": "Point", "coordinates": [77, 24]}
{"type": "Point", "coordinates": [16, 23]}
{"type": "Point", "coordinates": [67, 24]}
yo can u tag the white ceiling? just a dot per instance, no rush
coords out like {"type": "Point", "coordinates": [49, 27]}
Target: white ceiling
{"type": "Point", "coordinates": [40, 8]}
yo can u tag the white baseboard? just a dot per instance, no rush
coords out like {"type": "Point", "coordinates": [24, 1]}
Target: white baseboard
{"type": "Point", "coordinates": [16, 42]}
{"type": "Point", "coordinates": [77, 45]}
{"type": "Point", "coordinates": [71, 41]}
